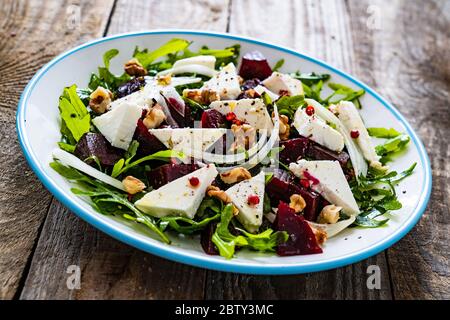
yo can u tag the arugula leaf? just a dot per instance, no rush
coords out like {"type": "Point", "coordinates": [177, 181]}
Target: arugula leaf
{"type": "Point", "coordinates": [163, 155]}
{"type": "Point", "coordinates": [67, 147]}
{"type": "Point", "coordinates": [313, 91]}
{"type": "Point", "coordinates": [376, 195]}
{"type": "Point", "coordinates": [226, 242]}
{"type": "Point", "coordinates": [188, 226]}
{"type": "Point", "coordinates": [310, 78]}
{"type": "Point", "coordinates": [100, 192]}
{"type": "Point", "coordinates": [367, 222]}
{"type": "Point", "coordinates": [75, 118]}
{"type": "Point", "coordinates": [383, 132]}
{"type": "Point", "coordinates": [266, 240]}
{"type": "Point", "coordinates": [287, 105]}
{"type": "Point", "coordinates": [223, 238]}
{"type": "Point", "coordinates": [342, 93]}
{"type": "Point", "coordinates": [392, 145]}
{"type": "Point", "coordinates": [105, 78]}
{"type": "Point", "coordinates": [278, 65]}
{"type": "Point", "coordinates": [224, 56]}
{"type": "Point", "coordinates": [172, 46]}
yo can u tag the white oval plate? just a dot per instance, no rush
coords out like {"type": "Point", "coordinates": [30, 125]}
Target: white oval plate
{"type": "Point", "coordinates": [38, 130]}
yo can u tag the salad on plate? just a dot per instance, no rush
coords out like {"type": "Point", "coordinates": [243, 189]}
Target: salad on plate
{"type": "Point", "coordinates": [228, 150]}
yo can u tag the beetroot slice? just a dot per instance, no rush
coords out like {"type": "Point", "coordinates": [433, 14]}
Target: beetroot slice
{"type": "Point", "coordinates": [301, 237]}
{"type": "Point", "coordinates": [254, 65]}
{"type": "Point", "coordinates": [213, 119]}
{"type": "Point", "coordinates": [169, 172]}
{"type": "Point", "coordinates": [96, 145]}
{"type": "Point", "coordinates": [148, 143]}
{"type": "Point", "coordinates": [318, 152]}
{"type": "Point", "coordinates": [206, 239]}
{"type": "Point", "coordinates": [283, 185]}
{"type": "Point", "coordinates": [293, 149]}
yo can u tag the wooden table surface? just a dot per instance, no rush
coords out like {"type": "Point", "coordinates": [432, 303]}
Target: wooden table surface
{"type": "Point", "coordinates": [400, 48]}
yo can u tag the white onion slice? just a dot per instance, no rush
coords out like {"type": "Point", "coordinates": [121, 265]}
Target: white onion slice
{"type": "Point", "coordinates": [72, 161]}
{"type": "Point", "coordinates": [238, 157]}
{"type": "Point", "coordinates": [174, 82]}
{"type": "Point", "coordinates": [358, 162]}
{"type": "Point", "coordinates": [334, 228]}
{"type": "Point", "coordinates": [265, 150]}
{"type": "Point", "coordinates": [193, 68]}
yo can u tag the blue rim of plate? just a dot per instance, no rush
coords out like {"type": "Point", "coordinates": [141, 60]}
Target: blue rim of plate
{"type": "Point", "coordinates": [201, 260]}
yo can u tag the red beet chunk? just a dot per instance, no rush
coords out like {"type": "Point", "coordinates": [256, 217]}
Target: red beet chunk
{"type": "Point", "coordinates": [318, 152]}
{"type": "Point", "coordinates": [169, 172]}
{"type": "Point", "coordinates": [96, 145]}
{"type": "Point", "coordinates": [206, 239]}
{"type": "Point", "coordinates": [294, 149]}
{"type": "Point", "coordinates": [213, 119]}
{"type": "Point", "coordinates": [148, 143]}
{"type": "Point", "coordinates": [254, 65]}
{"type": "Point", "coordinates": [283, 185]}
{"type": "Point", "coordinates": [301, 237]}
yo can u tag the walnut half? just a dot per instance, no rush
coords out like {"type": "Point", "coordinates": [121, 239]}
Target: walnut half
{"type": "Point", "coordinates": [100, 100]}
{"type": "Point", "coordinates": [235, 175]}
{"type": "Point", "coordinates": [134, 68]}
{"type": "Point", "coordinates": [216, 192]}
{"type": "Point", "coordinates": [297, 203]}
{"type": "Point", "coordinates": [155, 116]}
{"type": "Point", "coordinates": [329, 214]}
{"type": "Point", "coordinates": [133, 185]}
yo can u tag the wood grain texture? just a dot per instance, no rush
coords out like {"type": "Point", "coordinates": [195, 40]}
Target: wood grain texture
{"type": "Point", "coordinates": [31, 33]}
{"type": "Point", "coordinates": [411, 68]}
{"type": "Point", "coordinates": [111, 269]}
{"type": "Point", "coordinates": [321, 29]}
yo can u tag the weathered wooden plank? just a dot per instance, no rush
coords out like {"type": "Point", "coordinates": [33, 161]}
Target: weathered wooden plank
{"type": "Point", "coordinates": [31, 33]}
{"type": "Point", "coordinates": [110, 269]}
{"type": "Point", "coordinates": [409, 52]}
{"type": "Point", "coordinates": [323, 30]}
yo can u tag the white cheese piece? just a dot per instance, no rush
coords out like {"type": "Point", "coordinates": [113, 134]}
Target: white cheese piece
{"type": "Point", "coordinates": [251, 111]}
{"type": "Point", "coordinates": [261, 89]}
{"type": "Point", "coordinates": [349, 116]}
{"type": "Point", "coordinates": [140, 98]}
{"type": "Point", "coordinates": [318, 130]}
{"type": "Point", "coordinates": [191, 141]}
{"type": "Point", "coordinates": [250, 215]}
{"type": "Point", "coordinates": [280, 83]}
{"type": "Point", "coordinates": [118, 124]}
{"type": "Point", "coordinates": [206, 61]}
{"type": "Point", "coordinates": [178, 197]}
{"type": "Point", "coordinates": [358, 162]}
{"type": "Point", "coordinates": [225, 83]}
{"type": "Point", "coordinates": [332, 184]}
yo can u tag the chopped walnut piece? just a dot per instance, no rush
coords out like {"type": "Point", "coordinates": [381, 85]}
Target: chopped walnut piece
{"type": "Point", "coordinates": [133, 185]}
{"type": "Point", "coordinates": [164, 80]}
{"type": "Point", "coordinates": [329, 214]}
{"type": "Point", "coordinates": [100, 100]}
{"type": "Point", "coordinates": [297, 203]}
{"type": "Point", "coordinates": [285, 128]}
{"type": "Point", "coordinates": [319, 233]}
{"type": "Point", "coordinates": [155, 116]}
{"type": "Point", "coordinates": [134, 68]}
{"type": "Point", "coordinates": [235, 175]}
{"type": "Point", "coordinates": [244, 136]}
{"type": "Point", "coordinates": [202, 96]}
{"type": "Point", "coordinates": [217, 193]}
